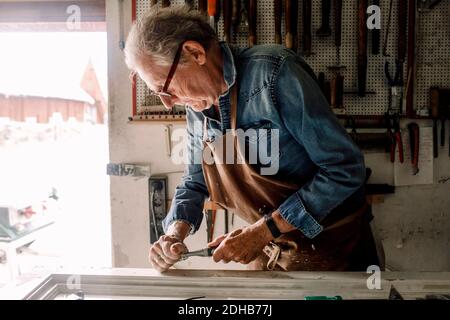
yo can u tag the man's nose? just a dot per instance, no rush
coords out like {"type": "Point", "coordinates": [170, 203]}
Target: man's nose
{"type": "Point", "coordinates": [168, 102]}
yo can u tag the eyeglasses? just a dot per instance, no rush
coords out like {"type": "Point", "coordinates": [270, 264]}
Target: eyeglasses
{"type": "Point", "coordinates": [176, 60]}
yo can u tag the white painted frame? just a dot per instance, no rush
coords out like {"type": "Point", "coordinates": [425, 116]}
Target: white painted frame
{"type": "Point", "coordinates": [220, 284]}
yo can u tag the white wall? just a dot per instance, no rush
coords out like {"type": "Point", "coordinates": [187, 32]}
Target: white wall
{"type": "Point", "coordinates": [414, 223]}
{"type": "Point", "coordinates": [418, 215]}
{"type": "Point", "coordinates": [134, 143]}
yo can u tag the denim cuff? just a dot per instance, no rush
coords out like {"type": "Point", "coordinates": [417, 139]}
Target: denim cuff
{"type": "Point", "coordinates": [295, 213]}
{"type": "Point", "coordinates": [185, 221]}
{"type": "Point", "coordinates": [181, 212]}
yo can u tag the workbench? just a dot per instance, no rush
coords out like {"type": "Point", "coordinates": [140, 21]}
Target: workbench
{"type": "Point", "coordinates": [222, 284]}
{"type": "Point", "coordinates": [10, 245]}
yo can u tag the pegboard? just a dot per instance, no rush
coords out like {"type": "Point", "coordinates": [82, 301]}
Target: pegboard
{"type": "Point", "coordinates": [433, 52]}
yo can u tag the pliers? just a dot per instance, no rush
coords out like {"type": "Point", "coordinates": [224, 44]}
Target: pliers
{"type": "Point", "coordinates": [396, 86]}
{"type": "Point", "coordinates": [395, 137]}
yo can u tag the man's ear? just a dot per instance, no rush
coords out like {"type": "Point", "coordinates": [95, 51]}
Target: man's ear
{"type": "Point", "coordinates": [194, 51]}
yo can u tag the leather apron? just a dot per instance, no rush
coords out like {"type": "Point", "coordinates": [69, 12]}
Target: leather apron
{"type": "Point", "coordinates": [346, 242]}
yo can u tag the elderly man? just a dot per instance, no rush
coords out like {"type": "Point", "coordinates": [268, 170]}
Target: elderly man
{"type": "Point", "coordinates": [308, 214]}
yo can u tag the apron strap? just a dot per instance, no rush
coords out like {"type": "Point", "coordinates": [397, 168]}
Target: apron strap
{"type": "Point", "coordinates": [234, 104]}
{"type": "Point", "coordinates": [205, 129]}
{"type": "Point", "coordinates": [233, 111]}
{"type": "Point", "coordinates": [348, 218]}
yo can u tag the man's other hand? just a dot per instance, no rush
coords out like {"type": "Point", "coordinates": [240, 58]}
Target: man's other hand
{"type": "Point", "coordinates": [242, 245]}
{"type": "Point", "coordinates": [165, 252]}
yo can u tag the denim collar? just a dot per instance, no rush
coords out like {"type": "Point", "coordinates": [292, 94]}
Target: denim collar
{"type": "Point", "coordinates": [229, 75]}
{"type": "Point", "coordinates": [229, 69]}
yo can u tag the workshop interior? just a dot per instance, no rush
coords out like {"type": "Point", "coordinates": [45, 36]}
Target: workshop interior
{"type": "Point", "coordinates": [90, 157]}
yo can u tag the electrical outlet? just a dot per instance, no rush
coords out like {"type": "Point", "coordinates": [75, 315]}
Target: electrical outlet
{"type": "Point", "coordinates": [157, 187]}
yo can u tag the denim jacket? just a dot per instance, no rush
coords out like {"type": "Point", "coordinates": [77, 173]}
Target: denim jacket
{"type": "Point", "coordinates": [277, 90]}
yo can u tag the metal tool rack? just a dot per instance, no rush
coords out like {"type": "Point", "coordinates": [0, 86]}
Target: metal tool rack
{"type": "Point", "coordinates": [432, 55]}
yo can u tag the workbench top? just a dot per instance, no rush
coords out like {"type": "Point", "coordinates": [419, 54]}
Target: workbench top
{"type": "Point", "coordinates": [129, 283]}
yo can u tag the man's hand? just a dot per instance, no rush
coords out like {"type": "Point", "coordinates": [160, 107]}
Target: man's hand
{"type": "Point", "coordinates": [165, 252]}
{"type": "Point", "coordinates": [242, 245]}
{"type": "Point", "coordinates": [168, 249]}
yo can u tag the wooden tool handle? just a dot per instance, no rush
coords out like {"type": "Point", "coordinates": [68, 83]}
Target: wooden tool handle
{"type": "Point", "coordinates": [227, 11]}
{"type": "Point", "coordinates": [340, 91]}
{"type": "Point", "coordinates": [307, 12]}
{"type": "Point", "coordinates": [414, 136]}
{"type": "Point", "coordinates": [252, 11]}
{"type": "Point", "coordinates": [328, 91]}
{"type": "Point", "coordinates": [411, 57]}
{"type": "Point", "coordinates": [376, 34]}
{"type": "Point", "coordinates": [212, 8]}
{"type": "Point", "coordinates": [337, 22]}
{"type": "Point", "coordinates": [402, 22]}
{"type": "Point", "coordinates": [203, 6]}
{"type": "Point", "coordinates": [337, 91]}
{"type": "Point", "coordinates": [290, 19]}
{"type": "Point", "coordinates": [277, 12]}
{"type": "Point", "coordinates": [325, 29]}
{"type": "Point", "coordinates": [235, 12]}
{"type": "Point", "coordinates": [362, 47]}
{"type": "Point", "coordinates": [218, 10]}
{"type": "Point", "coordinates": [415, 161]}
{"type": "Point", "coordinates": [326, 10]}
{"type": "Point", "coordinates": [435, 139]}
{"type": "Point", "coordinates": [434, 102]}
{"type": "Point", "coordinates": [165, 3]}
{"type": "Point", "coordinates": [333, 92]}
{"type": "Point", "coordinates": [321, 81]}
{"type": "Point", "coordinates": [287, 24]}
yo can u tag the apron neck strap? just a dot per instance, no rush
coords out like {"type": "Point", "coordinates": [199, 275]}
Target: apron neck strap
{"type": "Point", "coordinates": [233, 111]}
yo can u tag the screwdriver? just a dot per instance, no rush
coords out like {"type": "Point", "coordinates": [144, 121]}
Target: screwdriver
{"type": "Point", "coordinates": [212, 11]}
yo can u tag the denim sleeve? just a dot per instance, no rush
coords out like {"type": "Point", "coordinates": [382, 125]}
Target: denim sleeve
{"type": "Point", "coordinates": [190, 194]}
{"type": "Point", "coordinates": [311, 122]}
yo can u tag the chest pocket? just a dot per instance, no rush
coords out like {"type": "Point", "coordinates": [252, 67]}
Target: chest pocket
{"type": "Point", "coordinates": [257, 131]}
{"type": "Point", "coordinates": [260, 143]}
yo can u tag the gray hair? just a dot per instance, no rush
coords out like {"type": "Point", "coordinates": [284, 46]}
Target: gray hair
{"type": "Point", "coordinates": [158, 34]}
